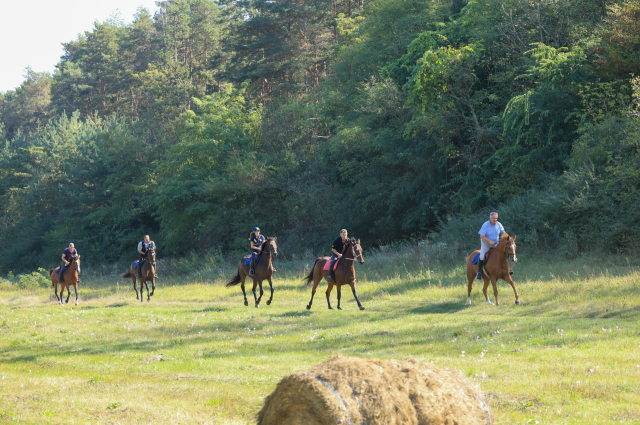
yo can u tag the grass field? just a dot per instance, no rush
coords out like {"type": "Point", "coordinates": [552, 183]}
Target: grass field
{"type": "Point", "coordinates": [570, 354]}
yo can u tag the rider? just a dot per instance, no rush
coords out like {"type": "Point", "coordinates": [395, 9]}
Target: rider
{"type": "Point", "coordinates": [490, 234]}
{"type": "Point", "coordinates": [336, 248]}
{"type": "Point", "coordinates": [256, 247]}
{"type": "Point", "coordinates": [143, 246]}
{"type": "Point", "coordinates": [67, 255]}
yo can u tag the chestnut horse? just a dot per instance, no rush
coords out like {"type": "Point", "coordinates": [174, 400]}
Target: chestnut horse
{"type": "Point", "coordinates": [344, 273]}
{"type": "Point", "coordinates": [497, 267]}
{"type": "Point", "coordinates": [263, 270]}
{"type": "Point", "coordinates": [148, 275]}
{"type": "Point", "coordinates": [71, 277]}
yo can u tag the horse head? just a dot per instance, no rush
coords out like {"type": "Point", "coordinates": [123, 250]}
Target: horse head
{"type": "Point", "coordinates": [271, 246]}
{"type": "Point", "coordinates": [510, 247]}
{"type": "Point", "coordinates": [151, 256]}
{"type": "Point", "coordinates": [357, 250]}
{"type": "Point", "coordinates": [75, 263]}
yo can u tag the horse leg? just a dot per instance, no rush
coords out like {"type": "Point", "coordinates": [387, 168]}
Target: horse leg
{"type": "Point", "coordinates": [75, 287]}
{"type": "Point", "coordinates": [329, 293]}
{"type": "Point", "coordinates": [255, 296]}
{"type": "Point", "coordinates": [495, 290]}
{"type": "Point", "coordinates": [484, 289]}
{"type": "Point", "coordinates": [339, 289]}
{"type": "Point", "coordinates": [270, 286]}
{"type": "Point", "coordinates": [242, 278]}
{"type": "Point", "coordinates": [55, 291]}
{"type": "Point", "coordinates": [513, 285]}
{"type": "Point", "coordinates": [135, 285]}
{"type": "Point", "coordinates": [68, 295]}
{"type": "Point", "coordinates": [469, 287]}
{"type": "Point", "coordinates": [355, 294]}
{"type": "Point", "coordinates": [153, 285]}
{"type": "Point", "coordinates": [141, 290]}
{"type": "Point", "coordinates": [261, 293]}
{"type": "Point", "coordinates": [316, 282]}
{"type": "Point", "coordinates": [146, 285]}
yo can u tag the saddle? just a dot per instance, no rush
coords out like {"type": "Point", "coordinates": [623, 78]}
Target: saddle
{"type": "Point", "coordinates": [248, 260]}
{"type": "Point", "coordinates": [486, 257]}
{"type": "Point", "coordinates": [328, 264]}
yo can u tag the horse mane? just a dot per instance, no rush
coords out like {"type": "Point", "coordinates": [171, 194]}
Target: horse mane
{"type": "Point", "coordinates": [264, 245]}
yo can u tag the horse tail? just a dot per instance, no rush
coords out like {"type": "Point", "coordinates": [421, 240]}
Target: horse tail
{"type": "Point", "coordinates": [127, 274]}
{"type": "Point", "coordinates": [309, 278]}
{"type": "Point", "coordinates": [236, 279]}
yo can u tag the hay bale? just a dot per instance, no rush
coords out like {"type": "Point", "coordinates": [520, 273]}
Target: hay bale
{"type": "Point", "coordinates": [347, 390]}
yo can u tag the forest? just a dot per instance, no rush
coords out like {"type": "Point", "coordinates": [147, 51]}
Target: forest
{"type": "Point", "coordinates": [396, 119]}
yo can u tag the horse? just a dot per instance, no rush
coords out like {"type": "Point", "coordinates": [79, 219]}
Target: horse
{"type": "Point", "coordinates": [148, 273]}
{"type": "Point", "coordinates": [70, 279]}
{"type": "Point", "coordinates": [263, 270]}
{"type": "Point", "coordinates": [496, 267]}
{"type": "Point", "coordinates": [344, 273]}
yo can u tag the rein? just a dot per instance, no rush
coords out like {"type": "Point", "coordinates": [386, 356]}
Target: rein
{"type": "Point", "coordinates": [505, 253]}
{"type": "Point", "coordinates": [353, 252]}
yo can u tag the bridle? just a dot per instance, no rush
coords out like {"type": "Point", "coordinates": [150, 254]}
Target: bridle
{"type": "Point", "coordinates": [510, 255]}
{"type": "Point", "coordinates": [353, 252]}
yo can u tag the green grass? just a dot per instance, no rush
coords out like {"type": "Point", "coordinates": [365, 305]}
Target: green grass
{"type": "Point", "coordinates": [570, 354]}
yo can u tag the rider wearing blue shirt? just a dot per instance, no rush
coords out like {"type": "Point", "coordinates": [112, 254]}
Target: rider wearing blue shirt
{"type": "Point", "coordinates": [67, 256]}
{"type": "Point", "coordinates": [256, 247]}
{"type": "Point", "coordinates": [490, 234]}
{"type": "Point", "coordinates": [143, 247]}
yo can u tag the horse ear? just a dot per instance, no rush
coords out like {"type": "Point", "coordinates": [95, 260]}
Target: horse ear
{"type": "Point", "coordinates": [514, 238]}
{"type": "Point", "coordinates": [275, 239]}
{"type": "Point", "coordinates": [358, 240]}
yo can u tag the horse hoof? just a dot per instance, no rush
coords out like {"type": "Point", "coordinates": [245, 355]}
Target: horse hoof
{"type": "Point", "coordinates": [76, 302]}
{"type": "Point", "coordinates": [257, 305]}
{"type": "Point", "coordinates": [339, 308]}
{"type": "Point", "coordinates": [468, 301]}
{"type": "Point", "coordinates": [268, 302]}
{"type": "Point", "coordinates": [308, 306]}
{"type": "Point", "coordinates": [330, 308]}
{"type": "Point", "coordinates": [361, 307]}
{"type": "Point", "coordinates": [246, 303]}
{"type": "Point", "coordinates": [517, 302]}
{"type": "Point", "coordinates": [489, 302]}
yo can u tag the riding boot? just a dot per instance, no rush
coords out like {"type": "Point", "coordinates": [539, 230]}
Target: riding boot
{"type": "Point", "coordinates": [480, 264]}
{"type": "Point", "coordinates": [330, 274]}
{"type": "Point", "coordinates": [63, 269]}
{"type": "Point", "coordinates": [251, 266]}
{"type": "Point", "coordinates": [139, 269]}
{"type": "Point", "coordinates": [510, 272]}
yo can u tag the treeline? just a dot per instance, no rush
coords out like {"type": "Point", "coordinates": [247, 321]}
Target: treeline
{"type": "Point", "coordinates": [392, 118]}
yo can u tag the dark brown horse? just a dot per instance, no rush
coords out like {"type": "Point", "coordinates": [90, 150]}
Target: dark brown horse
{"type": "Point", "coordinates": [263, 270]}
{"type": "Point", "coordinates": [344, 273]}
{"type": "Point", "coordinates": [497, 267]}
{"type": "Point", "coordinates": [71, 276]}
{"type": "Point", "coordinates": [148, 274]}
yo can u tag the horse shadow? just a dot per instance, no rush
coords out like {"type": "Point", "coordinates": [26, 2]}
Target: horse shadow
{"type": "Point", "coordinates": [441, 308]}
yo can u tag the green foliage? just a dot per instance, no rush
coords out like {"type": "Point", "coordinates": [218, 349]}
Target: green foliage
{"type": "Point", "coordinates": [385, 117]}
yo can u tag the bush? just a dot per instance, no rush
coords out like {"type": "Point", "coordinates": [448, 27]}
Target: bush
{"type": "Point", "coordinates": [34, 280]}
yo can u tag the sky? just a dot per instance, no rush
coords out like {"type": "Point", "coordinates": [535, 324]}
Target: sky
{"type": "Point", "coordinates": [31, 31]}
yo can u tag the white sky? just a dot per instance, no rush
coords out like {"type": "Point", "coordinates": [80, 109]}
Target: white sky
{"type": "Point", "coordinates": [31, 31]}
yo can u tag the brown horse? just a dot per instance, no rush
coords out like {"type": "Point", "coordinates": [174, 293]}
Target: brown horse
{"type": "Point", "coordinates": [497, 267]}
{"type": "Point", "coordinates": [263, 270]}
{"type": "Point", "coordinates": [344, 273]}
{"type": "Point", "coordinates": [70, 279]}
{"type": "Point", "coordinates": [148, 274]}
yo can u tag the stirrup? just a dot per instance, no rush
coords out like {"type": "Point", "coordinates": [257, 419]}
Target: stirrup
{"type": "Point", "coordinates": [479, 275]}
{"type": "Point", "coordinates": [510, 272]}
{"type": "Point", "coordinates": [252, 272]}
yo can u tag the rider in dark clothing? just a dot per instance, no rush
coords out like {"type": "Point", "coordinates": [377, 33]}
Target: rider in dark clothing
{"type": "Point", "coordinates": [256, 247]}
{"type": "Point", "coordinates": [143, 246]}
{"type": "Point", "coordinates": [67, 255]}
{"type": "Point", "coordinates": [336, 251]}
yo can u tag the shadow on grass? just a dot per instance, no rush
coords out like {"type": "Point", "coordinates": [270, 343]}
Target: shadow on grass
{"type": "Point", "coordinates": [440, 308]}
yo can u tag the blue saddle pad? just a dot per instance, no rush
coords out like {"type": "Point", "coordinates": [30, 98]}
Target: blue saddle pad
{"type": "Point", "coordinates": [475, 259]}
{"type": "Point", "coordinates": [136, 264]}
{"type": "Point", "coordinates": [58, 271]}
{"type": "Point", "coordinates": [248, 260]}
